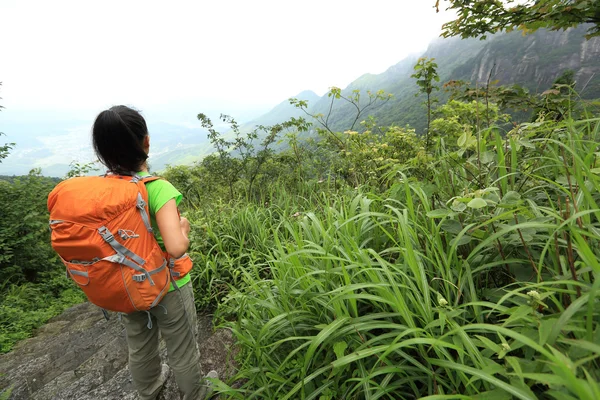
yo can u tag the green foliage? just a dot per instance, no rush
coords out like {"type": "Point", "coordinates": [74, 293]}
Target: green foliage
{"type": "Point", "coordinates": [358, 103]}
{"type": "Point", "coordinates": [476, 18]}
{"type": "Point", "coordinates": [80, 169]}
{"type": "Point", "coordinates": [484, 286]}
{"type": "Point", "coordinates": [27, 306]}
{"type": "Point", "coordinates": [33, 286]}
{"type": "Point", "coordinates": [237, 157]}
{"type": "Point", "coordinates": [458, 120]}
{"type": "Point", "coordinates": [370, 263]}
{"type": "Point", "coordinates": [25, 250]}
{"type": "Point", "coordinates": [471, 270]}
{"type": "Point", "coordinates": [5, 394]}
{"type": "Point", "coordinates": [5, 149]}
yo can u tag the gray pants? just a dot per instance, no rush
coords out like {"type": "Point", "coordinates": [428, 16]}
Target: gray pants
{"type": "Point", "coordinates": [175, 316]}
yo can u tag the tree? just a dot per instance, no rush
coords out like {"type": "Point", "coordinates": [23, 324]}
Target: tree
{"type": "Point", "coordinates": [482, 17]}
{"type": "Point", "coordinates": [238, 156]}
{"type": "Point", "coordinates": [24, 236]}
{"type": "Point", "coordinates": [359, 104]}
{"type": "Point", "coordinates": [6, 147]}
{"type": "Point", "coordinates": [80, 169]}
{"type": "Point", "coordinates": [426, 74]}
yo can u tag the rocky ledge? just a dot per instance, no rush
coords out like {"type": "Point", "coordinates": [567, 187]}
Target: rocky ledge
{"type": "Point", "coordinates": [81, 356]}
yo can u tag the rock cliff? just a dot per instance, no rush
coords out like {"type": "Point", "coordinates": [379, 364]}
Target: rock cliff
{"type": "Point", "coordinates": [81, 356]}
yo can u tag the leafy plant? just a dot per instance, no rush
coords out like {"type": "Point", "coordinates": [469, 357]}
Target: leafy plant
{"type": "Point", "coordinates": [426, 76]}
{"type": "Point", "coordinates": [477, 18]}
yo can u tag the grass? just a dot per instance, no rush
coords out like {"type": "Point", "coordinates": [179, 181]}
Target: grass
{"type": "Point", "coordinates": [405, 294]}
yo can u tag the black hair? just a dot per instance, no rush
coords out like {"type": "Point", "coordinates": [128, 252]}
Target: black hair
{"type": "Point", "coordinates": [118, 138]}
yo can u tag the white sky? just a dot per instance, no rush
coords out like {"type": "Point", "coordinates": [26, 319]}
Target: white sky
{"type": "Point", "coordinates": [84, 55]}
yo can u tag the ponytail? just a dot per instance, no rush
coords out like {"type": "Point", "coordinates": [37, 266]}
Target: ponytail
{"type": "Point", "coordinates": [118, 138]}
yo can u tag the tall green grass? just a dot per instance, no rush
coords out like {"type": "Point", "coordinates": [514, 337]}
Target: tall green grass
{"type": "Point", "coordinates": [481, 283]}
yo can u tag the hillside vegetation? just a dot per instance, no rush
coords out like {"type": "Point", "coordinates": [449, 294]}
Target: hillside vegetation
{"type": "Point", "coordinates": [370, 260]}
{"type": "Point", "coordinates": [362, 266]}
{"type": "Point", "coordinates": [534, 62]}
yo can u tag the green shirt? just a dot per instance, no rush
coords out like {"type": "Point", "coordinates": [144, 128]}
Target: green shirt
{"type": "Point", "coordinates": [159, 193]}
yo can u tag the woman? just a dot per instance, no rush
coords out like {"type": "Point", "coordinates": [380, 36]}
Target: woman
{"type": "Point", "coordinates": [121, 142]}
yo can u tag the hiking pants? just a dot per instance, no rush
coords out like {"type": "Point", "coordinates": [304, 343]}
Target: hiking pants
{"type": "Point", "coordinates": [175, 316]}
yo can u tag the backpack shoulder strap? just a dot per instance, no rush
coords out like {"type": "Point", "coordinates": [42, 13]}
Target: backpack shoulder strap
{"type": "Point", "coordinates": [144, 179]}
{"type": "Point", "coordinates": [148, 179]}
{"type": "Point", "coordinates": [142, 197]}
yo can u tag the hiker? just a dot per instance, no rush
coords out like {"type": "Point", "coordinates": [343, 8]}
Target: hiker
{"type": "Point", "coordinates": [123, 255]}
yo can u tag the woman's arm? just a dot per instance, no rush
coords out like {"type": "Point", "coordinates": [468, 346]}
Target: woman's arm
{"type": "Point", "coordinates": [174, 231]}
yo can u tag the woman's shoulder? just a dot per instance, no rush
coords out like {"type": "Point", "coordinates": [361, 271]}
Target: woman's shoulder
{"type": "Point", "coordinates": [160, 191]}
{"type": "Point", "coordinates": [161, 185]}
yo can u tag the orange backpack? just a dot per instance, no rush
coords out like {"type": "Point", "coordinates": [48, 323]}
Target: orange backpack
{"type": "Point", "coordinates": [101, 230]}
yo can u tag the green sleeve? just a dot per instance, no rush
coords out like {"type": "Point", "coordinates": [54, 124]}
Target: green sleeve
{"type": "Point", "coordinates": [159, 193]}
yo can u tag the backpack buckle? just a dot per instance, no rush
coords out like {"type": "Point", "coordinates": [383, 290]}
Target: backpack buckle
{"type": "Point", "coordinates": [139, 277]}
{"type": "Point", "coordinates": [106, 234]}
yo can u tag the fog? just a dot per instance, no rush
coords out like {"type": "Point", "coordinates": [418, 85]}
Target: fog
{"type": "Point", "coordinates": [64, 61]}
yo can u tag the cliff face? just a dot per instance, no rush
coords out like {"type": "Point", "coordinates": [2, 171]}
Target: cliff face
{"type": "Point", "coordinates": [81, 356]}
{"type": "Point", "coordinates": [535, 61]}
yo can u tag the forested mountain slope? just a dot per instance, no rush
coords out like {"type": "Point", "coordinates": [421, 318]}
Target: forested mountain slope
{"type": "Point", "coordinates": [533, 61]}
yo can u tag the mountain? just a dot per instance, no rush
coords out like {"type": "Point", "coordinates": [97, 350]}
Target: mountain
{"type": "Point", "coordinates": [533, 61]}
{"type": "Point", "coordinates": [282, 111]}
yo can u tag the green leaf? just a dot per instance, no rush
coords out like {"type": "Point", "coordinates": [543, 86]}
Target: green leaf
{"type": "Point", "coordinates": [545, 328]}
{"type": "Point", "coordinates": [496, 394]}
{"type": "Point", "coordinates": [511, 198]}
{"type": "Point", "coordinates": [477, 203]}
{"type": "Point", "coordinates": [439, 213]}
{"type": "Point", "coordinates": [515, 391]}
{"type": "Point", "coordinates": [458, 206]}
{"type": "Point", "coordinates": [451, 226]}
{"type": "Point", "coordinates": [339, 348]}
{"type": "Point", "coordinates": [465, 239]}
{"type": "Point", "coordinates": [462, 140]}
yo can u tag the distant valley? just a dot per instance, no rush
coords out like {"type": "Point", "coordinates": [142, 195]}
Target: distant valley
{"type": "Point", "coordinates": [533, 61]}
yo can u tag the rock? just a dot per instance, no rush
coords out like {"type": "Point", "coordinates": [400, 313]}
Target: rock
{"type": "Point", "coordinates": [78, 355]}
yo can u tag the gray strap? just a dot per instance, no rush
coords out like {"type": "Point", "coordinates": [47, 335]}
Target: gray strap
{"type": "Point", "coordinates": [163, 266]}
{"type": "Point", "coordinates": [171, 266]}
{"type": "Point", "coordinates": [141, 205]}
{"type": "Point", "coordinates": [118, 247]}
{"type": "Point", "coordinates": [125, 261]}
{"type": "Point", "coordinates": [142, 277]}
{"type": "Point", "coordinates": [121, 259]}
{"type": "Point", "coordinates": [80, 273]}
{"type": "Point", "coordinates": [165, 308]}
{"type": "Point", "coordinates": [149, 325]}
{"type": "Point", "coordinates": [173, 281]}
{"type": "Point", "coordinates": [160, 296]}
{"type": "Point", "coordinates": [136, 178]}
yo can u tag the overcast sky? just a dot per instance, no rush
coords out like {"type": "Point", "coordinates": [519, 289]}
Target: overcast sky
{"type": "Point", "coordinates": [85, 55]}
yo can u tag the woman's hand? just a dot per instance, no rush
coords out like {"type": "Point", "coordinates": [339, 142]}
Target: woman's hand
{"type": "Point", "coordinates": [185, 226]}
